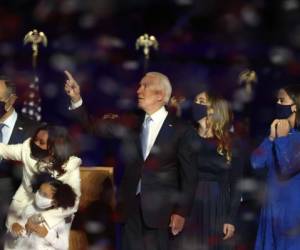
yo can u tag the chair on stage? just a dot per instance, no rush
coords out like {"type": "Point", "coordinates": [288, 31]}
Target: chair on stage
{"type": "Point", "coordinates": [94, 217]}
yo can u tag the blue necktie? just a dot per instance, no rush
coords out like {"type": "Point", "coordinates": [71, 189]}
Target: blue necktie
{"type": "Point", "coordinates": [145, 135]}
{"type": "Point", "coordinates": [144, 143]}
{"type": "Point", "coordinates": [2, 125]}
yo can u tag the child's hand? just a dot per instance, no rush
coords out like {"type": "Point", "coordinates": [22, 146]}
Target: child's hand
{"type": "Point", "coordinates": [38, 229]}
{"type": "Point", "coordinates": [17, 229]}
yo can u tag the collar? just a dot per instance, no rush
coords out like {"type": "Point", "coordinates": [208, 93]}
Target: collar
{"type": "Point", "coordinates": [159, 114]}
{"type": "Point", "coordinates": [11, 120]}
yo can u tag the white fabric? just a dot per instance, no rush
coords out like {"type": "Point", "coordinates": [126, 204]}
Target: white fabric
{"type": "Point", "coordinates": [75, 105]}
{"type": "Point", "coordinates": [157, 120]}
{"type": "Point", "coordinates": [24, 195]}
{"type": "Point", "coordinates": [9, 126]}
{"type": "Point", "coordinates": [42, 202]}
{"type": "Point", "coordinates": [56, 239]}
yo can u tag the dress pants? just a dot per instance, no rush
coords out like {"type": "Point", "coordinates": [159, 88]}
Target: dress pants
{"type": "Point", "coordinates": [136, 235]}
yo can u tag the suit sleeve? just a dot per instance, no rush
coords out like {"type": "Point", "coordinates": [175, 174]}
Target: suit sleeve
{"type": "Point", "coordinates": [235, 179]}
{"type": "Point", "coordinates": [188, 172]}
{"type": "Point", "coordinates": [54, 216]}
{"type": "Point", "coordinates": [98, 126]}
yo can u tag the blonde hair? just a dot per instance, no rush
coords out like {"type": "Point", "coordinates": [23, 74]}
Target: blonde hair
{"type": "Point", "coordinates": [221, 122]}
{"type": "Point", "coordinates": [164, 83]}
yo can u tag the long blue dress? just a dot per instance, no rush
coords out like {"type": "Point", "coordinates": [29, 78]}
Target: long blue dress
{"type": "Point", "coordinates": [279, 225]}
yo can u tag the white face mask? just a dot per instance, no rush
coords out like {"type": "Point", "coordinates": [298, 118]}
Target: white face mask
{"type": "Point", "coordinates": [42, 202]}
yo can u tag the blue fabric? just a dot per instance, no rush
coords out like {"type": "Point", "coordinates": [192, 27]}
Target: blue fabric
{"type": "Point", "coordinates": [279, 225]}
{"type": "Point", "coordinates": [144, 142]}
{"type": "Point", "coordinates": [145, 135]}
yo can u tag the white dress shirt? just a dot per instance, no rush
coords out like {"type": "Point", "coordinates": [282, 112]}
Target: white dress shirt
{"type": "Point", "coordinates": [75, 105]}
{"type": "Point", "coordinates": [9, 126]}
{"type": "Point", "coordinates": [157, 120]}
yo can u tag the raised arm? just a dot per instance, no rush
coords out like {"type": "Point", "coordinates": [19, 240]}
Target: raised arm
{"type": "Point", "coordinates": [72, 88]}
{"type": "Point", "coordinates": [262, 155]}
{"type": "Point", "coordinates": [11, 152]}
{"type": "Point", "coordinates": [287, 154]}
{"type": "Point", "coordinates": [106, 126]}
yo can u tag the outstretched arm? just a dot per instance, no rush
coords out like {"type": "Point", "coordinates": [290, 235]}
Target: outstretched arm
{"type": "Point", "coordinates": [11, 152]}
{"type": "Point", "coordinates": [286, 154]}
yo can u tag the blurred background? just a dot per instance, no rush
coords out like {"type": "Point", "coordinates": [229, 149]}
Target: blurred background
{"type": "Point", "coordinates": [202, 44]}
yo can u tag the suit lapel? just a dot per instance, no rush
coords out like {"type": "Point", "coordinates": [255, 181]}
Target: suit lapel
{"type": "Point", "coordinates": [17, 133]}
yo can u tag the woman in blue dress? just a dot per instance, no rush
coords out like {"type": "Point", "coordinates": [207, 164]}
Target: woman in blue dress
{"type": "Point", "coordinates": [279, 225]}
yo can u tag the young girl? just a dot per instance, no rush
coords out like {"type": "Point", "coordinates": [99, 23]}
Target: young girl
{"type": "Point", "coordinates": [50, 194]}
{"type": "Point", "coordinates": [49, 150]}
{"type": "Point", "coordinates": [279, 223]}
{"type": "Point", "coordinates": [211, 224]}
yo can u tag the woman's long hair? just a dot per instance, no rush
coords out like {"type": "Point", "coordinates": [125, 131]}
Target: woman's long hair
{"type": "Point", "coordinates": [59, 146]}
{"type": "Point", "coordinates": [221, 123]}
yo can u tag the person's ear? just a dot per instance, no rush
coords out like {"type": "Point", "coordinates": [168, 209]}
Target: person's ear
{"type": "Point", "coordinates": [294, 108]}
{"type": "Point", "coordinates": [160, 95]}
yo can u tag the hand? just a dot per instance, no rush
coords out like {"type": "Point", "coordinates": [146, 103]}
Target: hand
{"type": "Point", "coordinates": [72, 88]}
{"type": "Point", "coordinates": [176, 101]}
{"type": "Point", "coordinates": [279, 128]}
{"type": "Point", "coordinates": [176, 223]}
{"type": "Point", "coordinates": [38, 229]}
{"type": "Point", "coordinates": [17, 229]}
{"type": "Point", "coordinates": [283, 128]}
{"type": "Point", "coordinates": [228, 230]}
{"type": "Point", "coordinates": [29, 226]}
{"type": "Point", "coordinates": [273, 128]}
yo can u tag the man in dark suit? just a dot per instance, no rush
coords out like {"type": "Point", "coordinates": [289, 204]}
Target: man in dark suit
{"type": "Point", "coordinates": [14, 128]}
{"type": "Point", "coordinates": [159, 179]}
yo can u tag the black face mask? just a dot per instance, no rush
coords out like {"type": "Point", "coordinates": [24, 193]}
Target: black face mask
{"type": "Point", "coordinates": [283, 111]}
{"type": "Point", "coordinates": [199, 111]}
{"type": "Point", "coordinates": [37, 152]}
{"type": "Point", "coordinates": [2, 108]}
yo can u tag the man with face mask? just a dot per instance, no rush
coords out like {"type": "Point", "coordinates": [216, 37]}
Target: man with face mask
{"type": "Point", "coordinates": [14, 128]}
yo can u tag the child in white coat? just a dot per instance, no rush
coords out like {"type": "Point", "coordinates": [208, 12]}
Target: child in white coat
{"type": "Point", "coordinates": [49, 150]}
{"type": "Point", "coordinates": [30, 231]}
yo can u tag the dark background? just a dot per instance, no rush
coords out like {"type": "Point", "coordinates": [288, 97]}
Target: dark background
{"type": "Point", "coordinates": [202, 44]}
